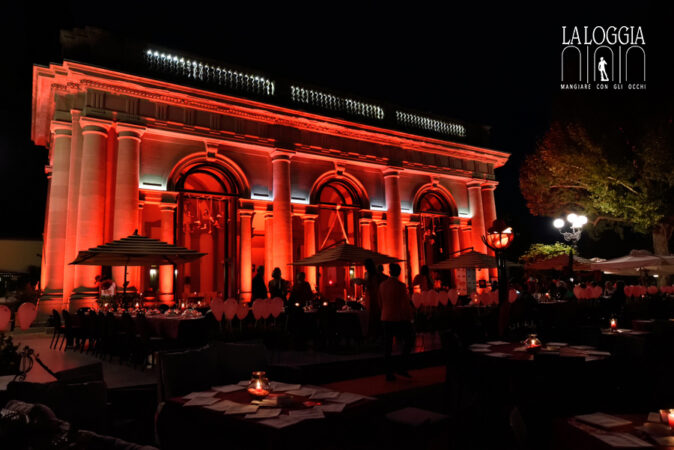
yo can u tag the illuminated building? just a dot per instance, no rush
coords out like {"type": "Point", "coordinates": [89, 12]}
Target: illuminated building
{"type": "Point", "coordinates": [247, 168]}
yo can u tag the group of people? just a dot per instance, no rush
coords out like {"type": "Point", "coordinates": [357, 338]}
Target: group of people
{"type": "Point", "coordinates": [300, 292]}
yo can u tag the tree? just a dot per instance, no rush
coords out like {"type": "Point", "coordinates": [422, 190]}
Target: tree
{"type": "Point", "coordinates": [614, 176]}
{"type": "Point", "coordinates": [539, 252]}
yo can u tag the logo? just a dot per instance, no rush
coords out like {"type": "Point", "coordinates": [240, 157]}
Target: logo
{"type": "Point", "coordinates": [603, 58]}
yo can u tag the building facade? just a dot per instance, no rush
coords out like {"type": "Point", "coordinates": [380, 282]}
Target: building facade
{"type": "Point", "coordinates": [263, 174]}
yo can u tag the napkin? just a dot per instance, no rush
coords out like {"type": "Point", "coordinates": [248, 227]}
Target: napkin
{"type": "Point", "coordinates": [205, 394]}
{"type": "Point", "coordinates": [622, 440]}
{"type": "Point", "coordinates": [581, 347]}
{"type": "Point", "coordinates": [480, 349]}
{"type": "Point", "coordinates": [282, 421]}
{"type": "Point", "coordinates": [324, 395]}
{"type": "Point", "coordinates": [302, 392]}
{"type": "Point", "coordinates": [264, 413]}
{"type": "Point", "coordinates": [557, 344]}
{"type": "Point", "coordinates": [497, 342]}
{"type": "Point", "coordinates": [331, 407]}
{"type": "Point", "coordinates": [228, 388]}
{"type": "Point", "coordinates": [348, 398]}
{"type": "Point", "coordinates": [277, 386]}
{"type": "Point", "coordinates": [241, 409]}
{"type": "Point", "coordinates": [224, 406]}
{"type": "Point", "coordinates": [597, 353]}
{"type": "Point", "coordinates": [603, 420]}
{"type": "Point", "coordinates": [201, 401]}
{"type": "Point", "coordinates": [498, 355]}
{"type": "Point", "coordinates": [310, 413]}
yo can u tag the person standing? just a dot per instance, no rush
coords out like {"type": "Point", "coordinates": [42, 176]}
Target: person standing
{"type": "Point", "coordinates": [396, 319]}
{"type": "Point", "coordinates": [278, 287]}
{"type": "Point", "coordinates": [423, 279]}
{"type": "Point", "coordinates": [259, 288]}
{"type": "Point", "coordinates": [301, 292]}
{"type": "Point", "coordinates": [373, 278]}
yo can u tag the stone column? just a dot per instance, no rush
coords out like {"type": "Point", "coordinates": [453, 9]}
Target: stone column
{"type": "Point", "coordinates": [268, 245]}
{"type": "Point", "coordinates": [206, 262]}
{"type": "Point", "coordinates": [381, 237]}
{"type": "Point", "coordinates": [309, 222]}
{"type": "Point", "coordinates": [366, 233]}
{"type": "Point", "coordinates": [125, 215]}
{"type": "Point", "coordinates": [73, 204]}
{"type": "Point", "coordinates": [413, 248]}
{"type": "Point", "coordinates": [167, 235]}
{"type": "Point", "coordinates": [477, 221]}
{"type": "Point", "coordinates": [394, 235]}
{"type": "Point", "coordinates": [245, 270]}
{"type": "Point", "coordinates": [283, 238]}
{"type": "Point", "coordinates": [456, 247]}
{"type": "Point", "coordinates": [55, 240]}
{"type": "Point", "coordinates": [489, 206]}
{"type": "Point", "coordinates": [466, 239]}
{"type": "Point", "coordinates": [91, 209]}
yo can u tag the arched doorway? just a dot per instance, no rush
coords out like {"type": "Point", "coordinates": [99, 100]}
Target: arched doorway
{"type": "Point", "coordinates": [206, 221]}
{"type": "Point", "coordinates": [339, 203]}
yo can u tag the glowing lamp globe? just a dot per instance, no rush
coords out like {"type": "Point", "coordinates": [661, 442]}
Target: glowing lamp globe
{"type": "Point", "coordinates": [558, 223]}
{"type": "Point", "coordinates": [499, 236]}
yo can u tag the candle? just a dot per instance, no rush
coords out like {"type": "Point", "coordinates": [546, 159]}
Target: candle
{"type": "Point", "coordinates": [137, 305]}
{"type": "Point", "coordinates": [182, 306]}
{"type": "Point", "coordinates": [325, 303]}
{"type": "Point", "coordinates": [614, 324]}
{"type": "Point", "coordinates": [670, 418]}
{"type": "Point", "coordinates": [297, 304]}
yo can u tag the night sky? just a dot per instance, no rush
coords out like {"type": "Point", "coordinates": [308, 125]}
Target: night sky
{"type": "Point", "coordinates": [494, 64]}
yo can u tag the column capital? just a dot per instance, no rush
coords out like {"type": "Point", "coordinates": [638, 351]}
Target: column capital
{"type": "Point", "coordinates": [365, 220]}
{"type": "Point", "coordinates": [61, 128]}
{"type": "Point", "coordinates": [475, 184]}
{"type": "Point", "coordinates": [168, 207]}
{"type": "Point", "coordinates": [489, 186]}
{"type": "Point", "coordinates": [309, 217]}
{"type": "Point", "coordinates": [246, 213]}
{"type": "Point", "coordinates": [412, 225]}
{"type": "Point", "coordinates": [391, 172]}
{"type": "Point", "coordinates": [129, 131]}
{"type": "Point", "coordinates": [91, 125]}
{"type": "Point", "coordinates": [268, 215]}
{"type": "Point", "coordinates": [381, 223]}
{"type": "Point", "coordinates": [279, 154]}
{"type": "Point", "coordinates": [454, 226]}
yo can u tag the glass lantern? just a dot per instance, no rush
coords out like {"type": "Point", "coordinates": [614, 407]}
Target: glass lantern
{"type": "Point", "coordinates": [532, 343]}
{"type": "Point", "coordinates": [259, 386]}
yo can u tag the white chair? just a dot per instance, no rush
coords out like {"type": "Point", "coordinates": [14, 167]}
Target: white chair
{"type": "Point", "coordinates": [443, 298]}
{"type": "Point", "coordinates": [276, 307]}
{"type": "Point", "coordinates": [453, 296]}
{"type": "Point", "coordinates": [218, 308]}
{"type": "Point", "coordinates": [266, 308]}
{"type": "Point", "coordinates": [5, 317]}
{"type": "Point", "coordinates": [26, 314]}
{"type": "Point", "coordinates": [417, 300]}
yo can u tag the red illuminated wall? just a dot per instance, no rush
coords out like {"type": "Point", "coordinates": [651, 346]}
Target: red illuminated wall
{"type": "Point", "coordinates": [132, 153]}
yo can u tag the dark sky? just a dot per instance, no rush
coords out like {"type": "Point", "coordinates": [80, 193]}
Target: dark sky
{"type": "Point", "coordinates": [496, 64]}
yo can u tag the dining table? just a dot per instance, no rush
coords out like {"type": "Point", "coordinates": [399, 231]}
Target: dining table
{"type": "Point", "coordinates": [610, 431]}
{"type": "Point", "coordinates": [292, 415]}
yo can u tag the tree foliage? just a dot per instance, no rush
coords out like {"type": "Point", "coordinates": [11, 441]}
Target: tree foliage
{"type": "Point", "coordinates": [617, 176]}
{"type": "Point", "coordinates": [540, 252]}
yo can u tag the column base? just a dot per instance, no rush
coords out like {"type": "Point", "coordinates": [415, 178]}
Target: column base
{"type": "Point", "coordinates": [245, 297]}
{"type": "Point", "coordinates": [166, 298]}
{"type": "Point", "coordinates": [50, 299]}
{"type": "Point", "coordinates": [83, 297]}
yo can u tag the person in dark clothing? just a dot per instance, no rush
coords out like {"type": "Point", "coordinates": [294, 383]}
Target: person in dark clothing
{"type": "Point", "coordinates": [259, 288]}
{"type": "Point", "coordinates": [278, 287]}
{"type": "Point", "coordinates": [373, 278]}
{"type": "Point", "coordinates": [301, 292]}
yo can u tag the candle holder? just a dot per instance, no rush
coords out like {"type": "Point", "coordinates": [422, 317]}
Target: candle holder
{"type": "Point", "coordinates": [532, 343]}
{"type": "Point", "coordinates": [614, 325]}
{"type": "Point", "coordinates": [259, 386]}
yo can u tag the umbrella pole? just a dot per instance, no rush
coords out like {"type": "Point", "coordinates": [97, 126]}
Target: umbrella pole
{"type": "Point", "coordinates": [125, 282]}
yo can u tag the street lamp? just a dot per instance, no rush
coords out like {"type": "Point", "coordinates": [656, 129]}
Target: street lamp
{"type": "Point", "coordinates": [576, 223]}
{"type": "Point", "coordinates": [498, 238]}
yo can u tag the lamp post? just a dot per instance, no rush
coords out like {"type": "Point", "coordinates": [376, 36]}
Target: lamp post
{"type": "Point", "coordinates": [498, 238]}
{"type": "Point", "coordinates": [576, 222]}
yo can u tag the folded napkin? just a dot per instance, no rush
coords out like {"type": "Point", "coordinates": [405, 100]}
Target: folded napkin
{"type": "Point", "coordinates": [264, 413]}
{"type": "Point", "coordinates": [324, 395]}
{"type": "Point", "coordinates": [241, 409]}
{"type": "Point", "coordinates": [302, 392]}
{"type": "Point", "coordinates": [201, 401]}
{"type": "Point", "coordinates": [331, 407]}
{"type": "Point", "coordinates": [498, 342]}
{"type": "Point", "coordinates": [277, 386]}
{"type": "Point", "coordinates": [204, 394]}
{"type": "Point", "coordinates": [228, 388]}
{"type": "Point", "coordinates": [224, 405]}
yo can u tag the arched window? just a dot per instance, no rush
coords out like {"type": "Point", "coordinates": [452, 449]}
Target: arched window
{"type": "Point", "coordinates": [206, 221]}
{"type": "Point", "coordinates": [435, 211]}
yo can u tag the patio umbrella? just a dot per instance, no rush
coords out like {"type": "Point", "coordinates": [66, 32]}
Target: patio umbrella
{"type": "Point", "coordinates": [344, 254]}
{"type": "Point", "coordinates": [560, 262]}
{"type": "Point", "coordinates": [637, 260]}
{"type": "Point", "coordinates": [470, 260]}
{"type": "Point", "coordinates": [135, 250]}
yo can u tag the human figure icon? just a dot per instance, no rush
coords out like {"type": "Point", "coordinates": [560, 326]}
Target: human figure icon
{"type": "Point", "coordinates": [602, 69]}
